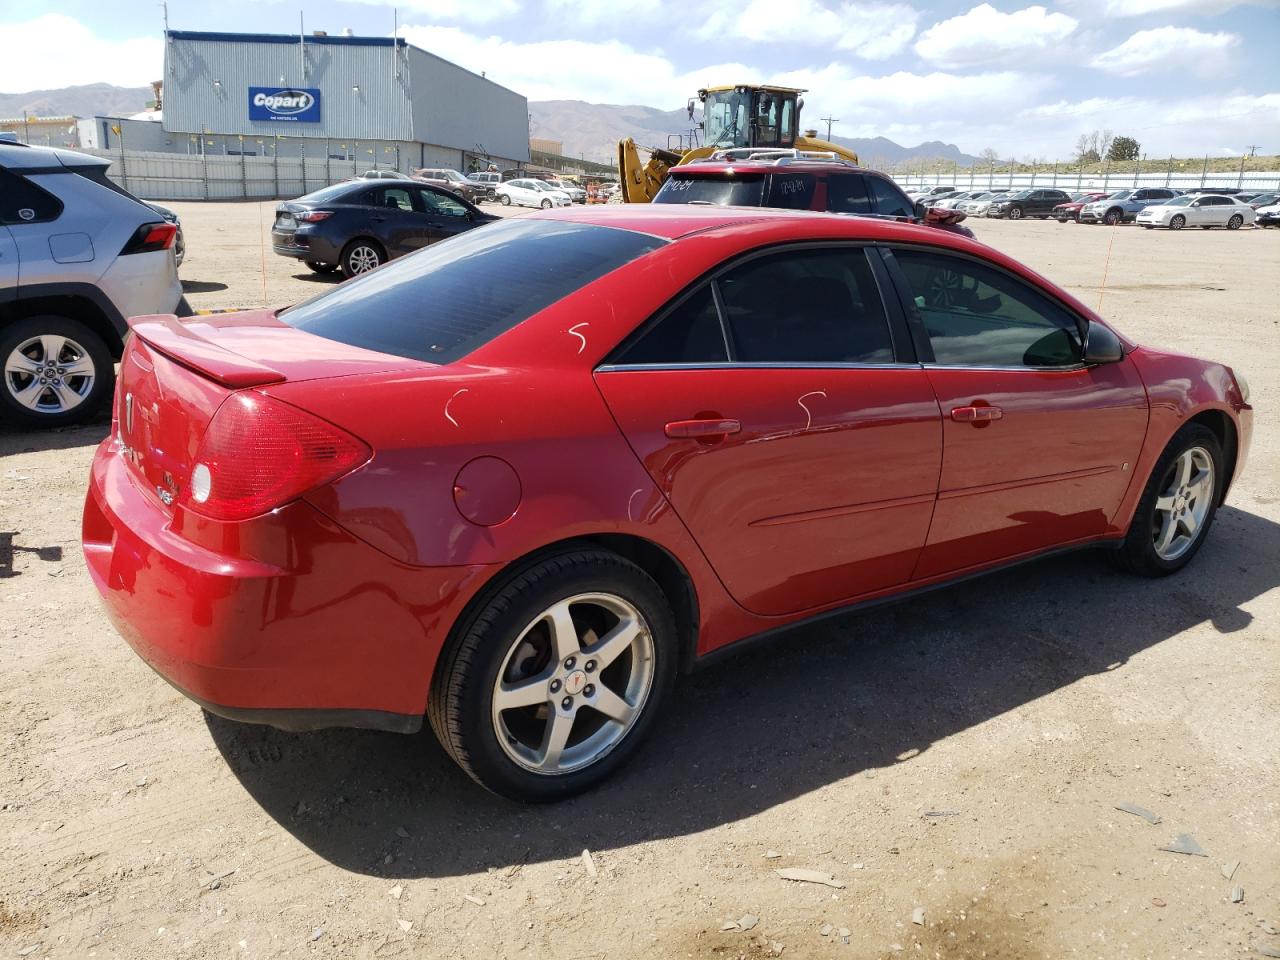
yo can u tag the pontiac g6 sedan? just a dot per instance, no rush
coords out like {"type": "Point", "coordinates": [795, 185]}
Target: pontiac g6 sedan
{"type": "Point", "coordinates": [521, 508]}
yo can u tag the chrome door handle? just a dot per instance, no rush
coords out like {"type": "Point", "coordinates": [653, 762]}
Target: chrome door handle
{"type": "Point", "coordinates": [976, 414]}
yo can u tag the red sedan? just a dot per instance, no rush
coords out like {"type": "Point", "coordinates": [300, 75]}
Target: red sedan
{"type": "Point", "coordinates": [518, 481]}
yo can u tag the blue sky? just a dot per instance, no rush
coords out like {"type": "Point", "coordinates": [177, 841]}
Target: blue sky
{"type": "Point", "coordinates": [1182, 76]}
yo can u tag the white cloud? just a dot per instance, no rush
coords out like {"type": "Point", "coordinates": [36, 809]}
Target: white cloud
{"type": "Point", "coordinates": [55, 50]}
{"type": "Point", "coordinates": [1141, 8]}
{"type": "Point", "coordinates": [600, 72]}
{"type": "Point", "coordinates": [985, 36]}
{"type": "Point", "coordinates": [1163, 48]}
{"type": "Point", "coordinates": [450, 11]}
{"type": "Point", "coordinates": [873, 31]}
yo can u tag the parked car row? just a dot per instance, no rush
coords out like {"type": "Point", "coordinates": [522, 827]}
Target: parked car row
{"type": "Point", "coordinates": [1150, 207]}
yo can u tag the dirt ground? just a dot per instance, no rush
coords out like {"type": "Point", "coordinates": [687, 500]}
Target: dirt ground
{"type": "Point", "coordinates": [962, 754]}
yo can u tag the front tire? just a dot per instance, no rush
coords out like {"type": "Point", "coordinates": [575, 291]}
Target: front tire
{"type": "Point", "coordinates": [1178, 222]}
{"type": "Point", "coordinates": [1015, 213]}
{"type": "Point", "coordinates": [315, 266]}
{"type": "Point", "coordinates": [546, 204]}
{"type": "Point", "coordinates": [506, 200]}
{"type": "Point", "coordinates": [362, 255]}
{"type": "Point", "coordinates": [1112, 217]}
{"type": "Point", "coordinates": [1177, 506]}
{"type": "Point", "coordinates": [553, 682]}
{"type": "Point", "coordinates": [56, 372]}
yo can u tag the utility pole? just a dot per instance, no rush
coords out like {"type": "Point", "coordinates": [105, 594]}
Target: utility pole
{"type": "Point", "coordinates": [829, 122]}
{"type": "Point", "coordinates": [1253, 149]}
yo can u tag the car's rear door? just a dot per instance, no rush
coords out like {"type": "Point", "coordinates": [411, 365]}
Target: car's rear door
{"type": "Point", "coordinates": [779, 408]}
{"type": "Point", "coordinates": [1038, 448]}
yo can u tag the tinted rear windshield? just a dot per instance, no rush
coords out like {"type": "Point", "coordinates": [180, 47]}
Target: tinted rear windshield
{"type": "Point", "coordinates": [329, 194]}
{"type": "Point", "coordinates": [729, 192]}
{"type": "Point", "coordinates": [445, 301]}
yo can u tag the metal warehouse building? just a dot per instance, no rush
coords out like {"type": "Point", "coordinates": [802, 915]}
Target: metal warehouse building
{"type": "Point", "coordinates": [368, 99]}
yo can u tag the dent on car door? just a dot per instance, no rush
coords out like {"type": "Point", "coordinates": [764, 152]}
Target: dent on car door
{"type": "Point", "coordinates": [774, 408]}
{"type": "Point", "coordinates": [1038, 449]}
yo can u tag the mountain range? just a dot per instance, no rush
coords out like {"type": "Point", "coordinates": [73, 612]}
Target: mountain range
{"type": "Point", "coordinates": [589, 130]}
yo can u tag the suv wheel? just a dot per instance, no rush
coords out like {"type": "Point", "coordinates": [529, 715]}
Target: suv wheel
{"type": "Point", "coordinates": [56, 372]}
{"type": "Point", "coordinates": [1015, 213]}
{"type": "Point", "coordinates": [1112, 217]}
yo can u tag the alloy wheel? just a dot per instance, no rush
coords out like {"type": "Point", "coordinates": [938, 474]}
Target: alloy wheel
{"type": "Point", "coordinates": [573, 683]}
{"type": "Point", "coordinates": [362, 259]}
{"type": "Point", "coordinates": [1015, 213]}
{"type": "Point", "coordinates": [1183, 504]}
{"type": "Point", "coordinates": [1235, 222]}
{"type": "Point", "coordinates": [1178, 222]}
{"type": "Point", "coordinates": [49, 373]}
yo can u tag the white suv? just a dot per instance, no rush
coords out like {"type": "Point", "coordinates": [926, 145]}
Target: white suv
{"type": "Point", "coordinates": [78, 256]}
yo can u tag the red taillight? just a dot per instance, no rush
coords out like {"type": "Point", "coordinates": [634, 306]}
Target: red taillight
{"type": "Point", "coordinates": [312, 216]}
{"type": "Point", "coordinates": [259, 454]}
{"type": "Point", "coordinates": [150, 237]}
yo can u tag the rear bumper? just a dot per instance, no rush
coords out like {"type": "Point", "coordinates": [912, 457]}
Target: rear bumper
{"type": "Point", "coordinates": [304, 626]}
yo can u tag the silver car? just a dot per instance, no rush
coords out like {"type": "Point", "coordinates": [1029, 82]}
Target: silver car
{"type": "Point", "coordinates": [78, 256]}
{"type": "Point", "coordinates": [979, 206]}
{"type": "Point", "coordinates": [1205, 210]}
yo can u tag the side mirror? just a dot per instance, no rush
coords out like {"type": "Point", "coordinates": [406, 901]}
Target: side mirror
{"type": "Point", "coordinates": [1101, 345]}
{"type": "Point", "coordinates": [921, 210]}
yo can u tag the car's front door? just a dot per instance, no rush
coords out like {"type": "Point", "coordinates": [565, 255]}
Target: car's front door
{"type": "Point", "coordinates": [397, 225]}
{"type": "Point", "coordinates": [788, 425]}
{"type": "Point", "coordinates": [1038, 448]}
{"type": "Point", "coordinates": [443, 214]}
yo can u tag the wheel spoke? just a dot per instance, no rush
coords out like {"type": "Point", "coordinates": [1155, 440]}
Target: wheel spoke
{"type": "Point", "coordinates": [52, 345]}
{"type": "Point", "coordinates": [21, 363]}
{"type": "Point", "coordinates": [1168, 530]}
{"type": "Point", "coordinates": [614, 643]}
{"type": "Point", "coordinates": [612, 705]}
{"type": "Point", "coordinates": [1165, 504]}
{"type": "Point", "coordinates": [564, 635]}
{"type": "Point", "coordinates": [528, 693]}
{"type": "Point", "coordinates": [554, 739]}
{"type": "Point", "coordinates": [67, 397]}
{"type": "Point", "coordinates": [79, 368]}
{"type": "Point", "coordinates": [1183, 473]}
{"type": "Point", "coordinates": [1190, 523]}
{"type": "Point", "coordinates": [29, 396]}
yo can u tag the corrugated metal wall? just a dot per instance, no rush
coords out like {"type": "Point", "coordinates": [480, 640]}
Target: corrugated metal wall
{"type": "Point", "coordinates": [193, 103]}
{"type": "Point", "coordinates": [455, 108]}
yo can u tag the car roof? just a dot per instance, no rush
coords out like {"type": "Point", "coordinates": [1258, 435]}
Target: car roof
{"type": "Point", "coordinates": [18, 156]}
{"type": "Point", "coordinates": [721, 167]}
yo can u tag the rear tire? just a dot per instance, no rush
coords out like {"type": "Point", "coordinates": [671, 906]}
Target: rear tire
{"type": "Point", "coordinates": [315, 266]}
{"type": "Point", "coordinates": [1236, 222]}
{"type": "Point", "coordinates": [510, 644]}
{"type": "Point", "coordinates": [1164, 496]}
{"type": "Point", "coordinates": [71, 359]}
{"type": "Point", "coordinates": [362, 255]}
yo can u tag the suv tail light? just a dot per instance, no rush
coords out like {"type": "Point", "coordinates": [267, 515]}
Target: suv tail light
{"type": "Point", "coordinates": [259, 454]}
{"type": "Point", "coordinates": [151, 237]}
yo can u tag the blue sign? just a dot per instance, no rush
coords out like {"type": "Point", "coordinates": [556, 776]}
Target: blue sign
{"type": "Point", "coordinates": [296, 104]}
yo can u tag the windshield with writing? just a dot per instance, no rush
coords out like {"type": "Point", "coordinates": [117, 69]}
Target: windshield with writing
{"type": "Point", "coordinates": [729, 192]}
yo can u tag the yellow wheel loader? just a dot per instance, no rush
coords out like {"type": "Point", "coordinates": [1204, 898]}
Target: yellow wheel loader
{"type": "Point", "coordinates": [733, 118]}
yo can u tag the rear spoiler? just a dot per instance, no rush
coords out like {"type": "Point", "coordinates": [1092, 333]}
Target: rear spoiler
{"type": "Point", "coordinates": [180, 343]}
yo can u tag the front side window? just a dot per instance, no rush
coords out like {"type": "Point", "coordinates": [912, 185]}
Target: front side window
{"type": "Point", "coordinates": [437, 204]}
{"type": "Point", "coordinates": [806, 306]}
{"type": "Point", "coordinates": [889, 200]}
{"type": "Point", "coordinates": [977, 316]}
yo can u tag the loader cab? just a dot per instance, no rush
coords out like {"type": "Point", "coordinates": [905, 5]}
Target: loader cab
{"type": "Point", "coordinates": [749, 116]}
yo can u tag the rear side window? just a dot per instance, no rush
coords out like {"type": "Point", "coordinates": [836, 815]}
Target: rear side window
{"type": "Point", "coordinates": [689, 333]}
{"type": "Point", "coordinates": [792, 191]}
{"type": "Point", "coordinates": [806, 306]}
{"type": "Point", "coordinates": [441, 303]}
{"type": "Point", "coordinates": [738, 192]}
{"type": "Point", "coordinates": [21, 201]}
{"type": "Point", "coordinates": [339, 191]}
{"type": "Point", "coordinates": [847, 193]}
{"type": "Point", "coordinates": [889, 200]}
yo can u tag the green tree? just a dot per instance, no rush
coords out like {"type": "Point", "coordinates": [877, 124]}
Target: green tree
{"type": "Point", "coordinates": [1124, 148]}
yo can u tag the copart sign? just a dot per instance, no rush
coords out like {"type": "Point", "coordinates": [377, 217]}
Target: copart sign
{"type": "Point", "coordinates": [295, 104]}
